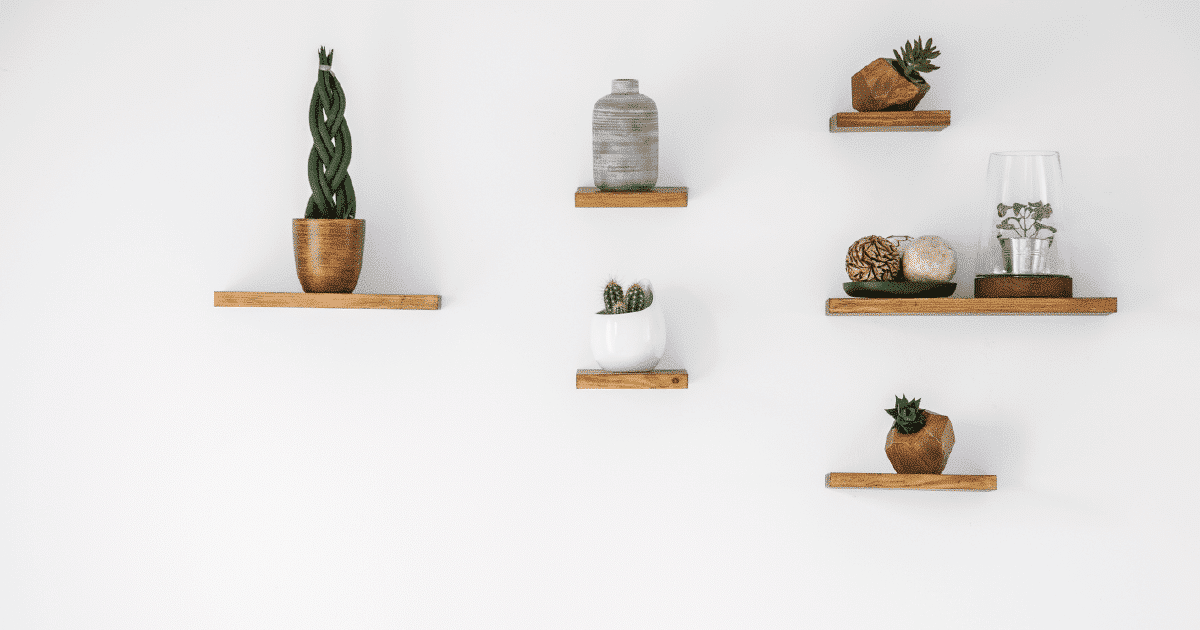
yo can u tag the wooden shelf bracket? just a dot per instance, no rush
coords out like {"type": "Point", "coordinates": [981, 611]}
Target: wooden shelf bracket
{"type": "Point", "coordinates": [971, 306]}
{"type": "Point", "coordinates": [654, 379]}
{"type": "Point", "coordinates": [928, 120]}
{"type": "Point", "coordinates": [977, 483]}
{"type": "Point", "coordinates": [667, 197]}
{"type": "Point", "coordinates": [327, 300]}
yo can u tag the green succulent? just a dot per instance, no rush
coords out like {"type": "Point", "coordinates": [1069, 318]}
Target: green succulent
{"type": "Point", "coordinates": [915, 59]}
{"type": "Point", "coordinates": [1028, 217]}
{"type": "Point", "coordinates": [907, 415]}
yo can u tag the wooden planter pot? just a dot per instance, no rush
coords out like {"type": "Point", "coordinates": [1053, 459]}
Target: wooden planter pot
{"type": "Point", "coordinates": [328, 253]}
{"type": "Point", "coordinates": [924, 452]}
{"type": "Point", "coordinates": [879, 87]}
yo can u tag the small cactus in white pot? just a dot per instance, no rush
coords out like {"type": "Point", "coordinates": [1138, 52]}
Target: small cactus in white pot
{"type": "Point", "coordinates": [630, 334]}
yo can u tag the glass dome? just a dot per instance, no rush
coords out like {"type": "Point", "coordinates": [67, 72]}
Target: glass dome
{"type": "Point", "coordinates": [1020, 243]}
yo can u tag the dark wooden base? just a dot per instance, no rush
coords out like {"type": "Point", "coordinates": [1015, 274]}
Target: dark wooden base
{"type": "Point", "coordinates": [1014, 286]}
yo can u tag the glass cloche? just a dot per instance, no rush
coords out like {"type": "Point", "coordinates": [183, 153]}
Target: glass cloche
{"type": "Point", "coordinates": [1021, 253]}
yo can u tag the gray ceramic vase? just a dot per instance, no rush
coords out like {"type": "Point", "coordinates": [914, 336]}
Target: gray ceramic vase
{"type": "Point", "coordinates": [625, 139]}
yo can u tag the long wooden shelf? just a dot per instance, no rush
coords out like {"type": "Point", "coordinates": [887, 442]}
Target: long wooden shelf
{"type": "Point", "coordinates": [929, 120]}
{"type": "Point", "coordinates": [978, 483]}
{"type": "Point", "coordinates": [327, 300]}
{"type": "Point", "coordinates": [668, 197]}
{"type": "Point", "coordinates": [971, 306]}
{"type": "Point", "coordinates": [654, 379]}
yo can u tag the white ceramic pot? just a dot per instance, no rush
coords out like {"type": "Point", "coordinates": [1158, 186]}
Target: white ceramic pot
{"type": "Point", "coordinates": [630, 342]}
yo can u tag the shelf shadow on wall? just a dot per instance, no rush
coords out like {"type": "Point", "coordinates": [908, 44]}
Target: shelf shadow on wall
{"type": "Point", "coordinates": [691, 333]}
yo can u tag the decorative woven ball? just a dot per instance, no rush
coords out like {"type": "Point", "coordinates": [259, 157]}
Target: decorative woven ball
{"type": "Point", "coordinates": [873, 258]}
{"type": "Point", "coordinates": [929, 259]}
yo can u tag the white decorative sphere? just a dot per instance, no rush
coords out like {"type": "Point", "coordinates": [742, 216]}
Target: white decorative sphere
{"type": "Point", "coordinates": [929, 259]}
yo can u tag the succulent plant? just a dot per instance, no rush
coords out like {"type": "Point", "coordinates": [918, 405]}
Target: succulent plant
{"type": "Point", "coordinates": [915, 60]}
{"type": "Point", "coordinates": [332, 192]}
{"type": "Point", "coordinates": [907, 415]}
{"type": "Point", "coordinates": [1028, 217]}
{"type": "Point", "coordinates": [616, 301]}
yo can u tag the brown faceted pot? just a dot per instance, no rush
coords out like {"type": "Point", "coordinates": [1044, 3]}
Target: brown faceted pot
{"type": "Point", "coordinates": [328, 253]}
{"type": "Point", "coordinates": [924, 452]}
{"type": "Point", "coordinates": [879, 87]}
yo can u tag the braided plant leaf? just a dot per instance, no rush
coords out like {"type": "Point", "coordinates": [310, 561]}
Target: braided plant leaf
{"type": "Point", "coordinates": [332, 192]}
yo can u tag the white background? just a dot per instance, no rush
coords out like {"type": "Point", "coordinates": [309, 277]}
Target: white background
{"type": "Point", "coordinates": [168, 464]}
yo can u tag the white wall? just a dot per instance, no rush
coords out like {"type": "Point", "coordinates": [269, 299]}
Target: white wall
{"type": "Point", "coordinates": [167, 464]}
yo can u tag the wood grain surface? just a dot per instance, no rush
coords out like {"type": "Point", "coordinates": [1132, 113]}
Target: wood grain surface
{"type": "Point", "coordinates": [971, 306]}
{"type": "Point", "coordinates": [328, 253]}
{"type": "Point", "coordinates": [910, 482]}
{"type": "Point", "coordinates": [667, 197]}
{"type": "Point", "coordinates": [654, 379]}
{"type": "Point", "coordinates": [327, 300]}
{"type": "Point", "coordinates": [927, 120]}
{"type": "Point", "coordinates": [1023, 286]}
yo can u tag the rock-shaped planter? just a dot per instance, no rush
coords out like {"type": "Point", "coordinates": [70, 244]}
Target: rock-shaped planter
{"type": "Point", "coordinates": [924, 452]}
{"type": "Point", "coordinates": [879, 87]}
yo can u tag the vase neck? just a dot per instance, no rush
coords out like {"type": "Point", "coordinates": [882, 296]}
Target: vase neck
{"type": "Point", "coordinates": [625, 86]}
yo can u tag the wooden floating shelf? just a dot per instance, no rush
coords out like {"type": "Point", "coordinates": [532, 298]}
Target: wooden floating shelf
{"type": "Point", "coordinates": [930, 120]}
{"type": "Point", "coordinates": [327, 300]}
{"type": "Point", "coordinates": [978, 483]}
{"type": "Point", "coordinates": [971, 306]}
{"type": "Point", "coordinates": [669, 197]}
{"type": "Point", "coordinates": [654, 379]}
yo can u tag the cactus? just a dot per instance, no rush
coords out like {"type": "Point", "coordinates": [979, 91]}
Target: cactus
{"type": "Point", "coordinates": [907, 414]}
{"type": "Point", "coordinates": [637, 298]}
{"type": "Point", "coordinates": [612, 295]}
{"type": "Point", "coordinates": [332, 192]}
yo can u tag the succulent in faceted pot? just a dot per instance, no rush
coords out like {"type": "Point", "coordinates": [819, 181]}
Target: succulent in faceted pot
{"type": "Point", "coordinates": [920, 440]}
{"type": "Point", "coordinates": [894, 85]}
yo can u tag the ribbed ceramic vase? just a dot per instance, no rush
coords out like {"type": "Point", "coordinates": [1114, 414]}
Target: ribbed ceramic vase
{"type": "Point", "coordinates": [625, 139]}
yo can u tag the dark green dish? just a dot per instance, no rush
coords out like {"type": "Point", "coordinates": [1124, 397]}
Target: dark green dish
{"type": "Point", "coordinates": [899, 289]}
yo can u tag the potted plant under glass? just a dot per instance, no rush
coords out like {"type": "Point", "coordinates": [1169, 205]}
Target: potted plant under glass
{"type": "Point", "coordinates": [630, 334]}
{"type": "Point", "coordinates": [1020, 253]}
{"type": "Point", "coordinates": [328, 241]}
